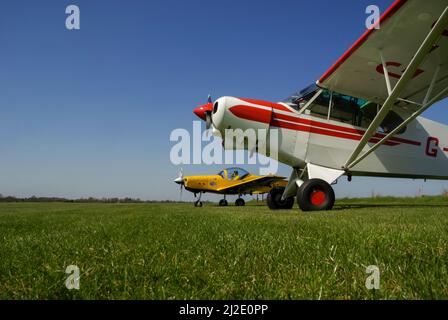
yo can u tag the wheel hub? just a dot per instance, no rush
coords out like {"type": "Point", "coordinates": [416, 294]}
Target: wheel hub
{"type": "Point", "coordinates": [317, 197]}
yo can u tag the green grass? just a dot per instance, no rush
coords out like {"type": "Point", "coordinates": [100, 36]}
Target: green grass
{"type": "Point", "coordinates": [175, 251]}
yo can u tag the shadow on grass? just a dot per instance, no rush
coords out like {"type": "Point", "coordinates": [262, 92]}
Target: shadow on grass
{"type": "Point", "coordinates": [388, 205]}
{"type": "Point", "coordinates": [346, 206]}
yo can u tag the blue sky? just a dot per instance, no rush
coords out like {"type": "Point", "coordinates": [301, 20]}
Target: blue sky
{"type": "Point", "coordinates": [89, 112]}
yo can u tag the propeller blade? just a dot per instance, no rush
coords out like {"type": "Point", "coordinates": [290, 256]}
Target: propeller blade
{"type": "Point", "coordinates": [180, 181]}
{"type": "Point", "coordinates": [181, 189]}
{"type": "Point", "coordinates": [209, 99]}
{"type": "Point", "coordinates": [208, 120]}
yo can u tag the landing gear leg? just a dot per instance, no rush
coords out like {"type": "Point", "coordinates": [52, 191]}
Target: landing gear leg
{"type": "Point", "coordinates": [198, 202]}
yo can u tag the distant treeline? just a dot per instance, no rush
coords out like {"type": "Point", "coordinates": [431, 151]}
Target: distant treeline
{"type": "Point", "coordinates": [443, 195]}
{"type": "Point", "coordinates": [81, 200]}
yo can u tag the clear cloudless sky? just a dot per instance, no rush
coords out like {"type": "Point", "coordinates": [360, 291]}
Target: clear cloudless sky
{"type": "Point", "coordinates": [89, 112]}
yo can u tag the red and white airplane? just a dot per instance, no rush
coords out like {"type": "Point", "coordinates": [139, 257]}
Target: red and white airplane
{"type": "Point", "coordinates": [362, 117]}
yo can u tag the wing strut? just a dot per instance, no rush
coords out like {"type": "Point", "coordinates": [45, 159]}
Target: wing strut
{"type": "Point", "coordinates": [386, 74]}
{"type": "Point", "coordinates": [397, 129]}
{"type": "Point", "coordinates": [305, 107]}
{"type": "Point", "coordinates": [394, 95]}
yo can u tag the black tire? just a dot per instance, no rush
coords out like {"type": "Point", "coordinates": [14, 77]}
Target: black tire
{"type": "Point", "coordinates": [198, 204]}
{"type": "Point", "coordinates": [275, 200]}
{"type": "Point", "coordinates": [223, 203]}
{"type": "Point", "coordinates": [240, 202]}
{"type": "Point", "coordinates": [315, 195]}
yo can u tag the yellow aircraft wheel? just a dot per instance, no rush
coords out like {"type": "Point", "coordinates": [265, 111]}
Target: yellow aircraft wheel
{"type": "Point", "coordinates": [198, 204]}
{"type": "Point", "coordinates": [275, 201]}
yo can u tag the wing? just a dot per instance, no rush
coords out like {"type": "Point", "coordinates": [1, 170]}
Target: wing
{"type": "Point", "coordinates": [402, 66]}
{"type": "Point", "coordinates": [250, 183]}
{"type": "Point", "coordinates": [403, 29]}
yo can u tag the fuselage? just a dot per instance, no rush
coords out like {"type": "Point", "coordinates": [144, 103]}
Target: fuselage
{"type": "Point", "coordinates": [213, 184]}
{"type": "Point", "coordinates": [227, 183]}
{"type": "Point", "coordinates": [421, 151]}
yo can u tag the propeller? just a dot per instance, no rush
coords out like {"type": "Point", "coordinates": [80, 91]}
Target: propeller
{"type": "Point", "coordinates": [180, 181]}
{"type": "Point", "coordinates": [208, 115]}
{"type": "Point", "coordinates": [208, 120]}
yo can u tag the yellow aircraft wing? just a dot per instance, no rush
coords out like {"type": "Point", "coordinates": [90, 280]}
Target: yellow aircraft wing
{"type": "Point", "coordinates": [250, 184]}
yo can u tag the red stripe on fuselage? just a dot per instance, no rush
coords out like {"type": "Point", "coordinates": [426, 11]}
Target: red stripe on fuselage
{"type": "Point", "coordinates": [252, 113]}
{"type": "Point", "coordinates": [266, 104]}
{"type": "Point", "coordinates": [340, 128]}
{"type": "Point", "coordinates": [325, 132]}
{"type": "Point", "coordinates": [300, 124]}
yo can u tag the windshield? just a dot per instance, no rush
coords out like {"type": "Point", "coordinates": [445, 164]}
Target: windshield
{"type": "Point", "coordinates": [234, 173]}
{"type": "Point", "coordinates": [298, 99]}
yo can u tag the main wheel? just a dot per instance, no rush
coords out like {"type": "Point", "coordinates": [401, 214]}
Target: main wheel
{"type": "Point", "coordinates": [315, 195]}
{"type": "Point", "coordinates": [240, 202]}
{"type": "Point", "coordinates": [198, 204]}
{"type": "Point", "coordinates": [275, 201]}
{"type": "Point", "coordinates": [223, 203]}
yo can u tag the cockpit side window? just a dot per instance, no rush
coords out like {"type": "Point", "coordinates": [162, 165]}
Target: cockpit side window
{"type": "Point", "coordinates": [392, 121]}
{"type": "Point", "coordinates": [319, 108]}
{"type": "Point", "coordinates": [368, 113]}
{"type": "Point", "coordinates": [343, 108]}
{"type": "Point", "coordinates": [236, 173]}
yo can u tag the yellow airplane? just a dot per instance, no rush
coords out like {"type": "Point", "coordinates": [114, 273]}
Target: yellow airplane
{"type": "Point", "coordinates": [237, 181]}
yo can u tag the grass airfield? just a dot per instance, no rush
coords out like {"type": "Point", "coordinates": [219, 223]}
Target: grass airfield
{"type": "Point", "coordinates": [176, 251]}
